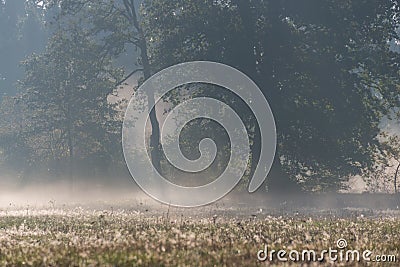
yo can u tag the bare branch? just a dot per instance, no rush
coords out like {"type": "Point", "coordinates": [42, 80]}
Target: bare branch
{"type": "Point", "coordinates": [127, 77]}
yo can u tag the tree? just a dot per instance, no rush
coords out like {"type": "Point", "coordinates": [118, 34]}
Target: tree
{"type": "Point", "coordinates": [155, 147]}
{"type": "Point", "coordinates": [16, 152]}
{"type": "Point", "coordinates": [326, 69]}
{"type": "Point", "coordinates": [117, 25]}
{"type": "Point", "coordinates": [22, 32]}
{"type": "Point", "coordinates": [391, 152]}
{"type": "Point", "coordinates": [65, 91]}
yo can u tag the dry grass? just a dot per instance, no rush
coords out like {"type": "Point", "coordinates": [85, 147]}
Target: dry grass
{"type": "Point", "coordinates": [78, 237]}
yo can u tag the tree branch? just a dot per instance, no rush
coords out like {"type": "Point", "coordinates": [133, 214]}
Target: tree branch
{"type": "Point", "coordinates": [127, 77]}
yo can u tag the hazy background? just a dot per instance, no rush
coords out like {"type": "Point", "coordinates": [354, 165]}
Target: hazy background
{"type": "Point", "coordinates": [330, 73]}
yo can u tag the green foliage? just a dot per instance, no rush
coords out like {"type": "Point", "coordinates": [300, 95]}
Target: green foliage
{"type": "Point", "coordinates": [384, 176]}
{"type": "Point", "coordinates": [66, 91]}
{"type": "Point", "coordinates": [14, 142]}
{"type": "Point", "coordinates": [325, 68]}
{"type": "Point", "coordinates": [329, 71]}
{"type": "Point", "coordinates": [22, 32]}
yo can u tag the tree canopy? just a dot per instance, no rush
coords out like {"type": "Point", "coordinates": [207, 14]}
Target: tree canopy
{"type": "Point", "coordinates": [329, 69]}
{"type": "Point", "coordinates": [326, 69]}
{"type": "Point", "coordinates": [22, 31]}
{"type": "Point", "coordinates": [62, 118]}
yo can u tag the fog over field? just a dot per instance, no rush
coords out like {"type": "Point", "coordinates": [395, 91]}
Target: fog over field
{"type": "Point", "coordinates": [199, 133]}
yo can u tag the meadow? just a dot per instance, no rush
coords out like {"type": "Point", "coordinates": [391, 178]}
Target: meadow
{"type": "Point", "coordinates": [59, 235]}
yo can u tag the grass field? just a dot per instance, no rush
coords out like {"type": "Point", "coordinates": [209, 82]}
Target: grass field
{"type": "Point", "coordinates": [143, 236]}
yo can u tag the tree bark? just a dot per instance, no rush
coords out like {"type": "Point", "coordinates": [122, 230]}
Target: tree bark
{"type": "Point", "coordinates": [155, 146]}
{"type": "Point", "coordinates": [69, 131]}
{"type": "Point", "coordinates": [395, 177]}
{"type": "Point", "coordinates": [71, 156]}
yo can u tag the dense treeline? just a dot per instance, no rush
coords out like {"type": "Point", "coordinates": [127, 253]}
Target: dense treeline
{"type": "Point", "coordinates": [329, 70]}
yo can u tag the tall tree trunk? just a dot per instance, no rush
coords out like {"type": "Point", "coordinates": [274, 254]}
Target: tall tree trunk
{"type": "Point", "coordinates": [155, 146]}
{"type": "Point", "coordinates": [395, 177]}
{"type": "Point", "coordinates": [71, 157]}
{"type": "Point", "coordinates": [70, 142]}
